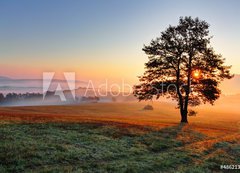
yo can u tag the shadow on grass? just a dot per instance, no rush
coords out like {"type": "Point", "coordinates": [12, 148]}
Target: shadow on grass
{"type": "Point", "coordinates": [95, 147]}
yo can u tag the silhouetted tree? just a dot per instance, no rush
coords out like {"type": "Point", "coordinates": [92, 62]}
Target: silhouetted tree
{"type": "Point", "coordinates": [1, 97]}
{"type": "Point", "coordinates": [182, 65]}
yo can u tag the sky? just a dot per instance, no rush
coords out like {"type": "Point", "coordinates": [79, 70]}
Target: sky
{"type": "Point", "coordinates": [102, 39]}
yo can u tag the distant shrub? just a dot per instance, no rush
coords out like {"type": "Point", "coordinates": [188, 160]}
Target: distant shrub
{"type": "Point", "coordinates": [192, 113]}
{"type": "Point", "coordinates": [90, 99]}
{"type": "Point", "coordinates": [148, 107]}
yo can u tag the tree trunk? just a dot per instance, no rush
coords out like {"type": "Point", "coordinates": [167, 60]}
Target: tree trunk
{"type": "Point", "coordinates": [184, 116]}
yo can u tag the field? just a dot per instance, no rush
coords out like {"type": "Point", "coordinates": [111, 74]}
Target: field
{"type": "Point", "coordinates": [118, 137]}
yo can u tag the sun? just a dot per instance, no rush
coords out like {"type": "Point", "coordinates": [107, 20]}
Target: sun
{"type": "Point", "coordinates": [196, 74]}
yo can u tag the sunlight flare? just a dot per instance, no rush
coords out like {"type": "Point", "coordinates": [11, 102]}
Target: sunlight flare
{"type": "Point", "coordinates": [196, 74]}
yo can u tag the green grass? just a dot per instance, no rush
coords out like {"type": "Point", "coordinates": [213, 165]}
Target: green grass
{"type": "Point", "coordinates": [93, 147]}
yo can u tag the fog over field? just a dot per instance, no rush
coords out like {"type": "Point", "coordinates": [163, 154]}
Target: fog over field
{"type": "Point", "coordinates": [8, 85]}
{"type": "Point", "coordinates": [230, 92]}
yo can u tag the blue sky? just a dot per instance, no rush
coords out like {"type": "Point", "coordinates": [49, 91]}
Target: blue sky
{"type": "Point", "coordinates": [102, 38]}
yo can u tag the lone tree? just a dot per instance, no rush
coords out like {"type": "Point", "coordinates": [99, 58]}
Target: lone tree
{"type": "Point", "coordinates": [182, 65]}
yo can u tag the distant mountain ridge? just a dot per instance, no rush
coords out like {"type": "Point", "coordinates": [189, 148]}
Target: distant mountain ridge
{"type": "Point", "coordinates": [3, 78]}
{"type": "Point", "coordinates": [13, 85]}
{"type": "Point", "coordinates": [228, 87]}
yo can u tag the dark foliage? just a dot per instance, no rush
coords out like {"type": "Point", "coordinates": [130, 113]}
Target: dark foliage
{"type": "Point", "coordinates": [1, 97]}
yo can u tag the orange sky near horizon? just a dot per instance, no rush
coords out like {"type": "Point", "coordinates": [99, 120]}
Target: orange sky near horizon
{"type": "Point", "coordinates": [87, 70]}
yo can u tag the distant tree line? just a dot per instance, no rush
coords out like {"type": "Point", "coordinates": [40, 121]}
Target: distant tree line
{"type": "Point", "coordinates": [13, 97]}
{"type": "Point", "coordinates": [18, 97]}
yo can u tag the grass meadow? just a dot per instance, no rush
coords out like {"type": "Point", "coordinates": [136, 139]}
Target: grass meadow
{"type": "Point", "coordinates": [116, 137]}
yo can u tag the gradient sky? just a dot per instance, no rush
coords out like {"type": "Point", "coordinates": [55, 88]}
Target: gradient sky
{"type": "Point", "coordinates": [102, 39]}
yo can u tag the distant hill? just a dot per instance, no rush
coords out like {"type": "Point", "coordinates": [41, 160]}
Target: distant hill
{"type": "Point", "coordinates": [228, 87]}
{"type": "Point", "coordinates": [4, 78]}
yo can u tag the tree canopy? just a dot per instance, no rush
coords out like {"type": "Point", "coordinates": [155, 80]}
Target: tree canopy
{"type": "Point", "coordinates": [183, 65]}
